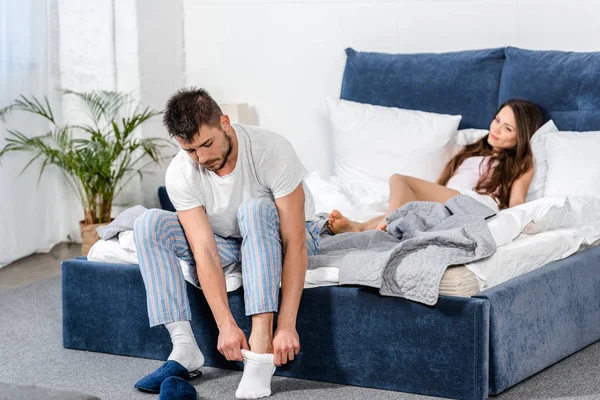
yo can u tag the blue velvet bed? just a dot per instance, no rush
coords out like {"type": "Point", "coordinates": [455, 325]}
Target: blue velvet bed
{"type": "Point", "coordinates": [461, 348]}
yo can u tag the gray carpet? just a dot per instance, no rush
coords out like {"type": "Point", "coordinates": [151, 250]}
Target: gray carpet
{"type": "Point", "coordinates": [31, 352]}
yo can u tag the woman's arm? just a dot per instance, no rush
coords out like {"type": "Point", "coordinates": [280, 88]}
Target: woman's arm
{"type": "Point", "coordinates": [518, 193]}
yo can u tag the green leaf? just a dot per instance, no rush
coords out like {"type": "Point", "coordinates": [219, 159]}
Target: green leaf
{"type": "Point", "coordinates": [31, 105]}
{"type": "Point", "coordinates": [97, 158]}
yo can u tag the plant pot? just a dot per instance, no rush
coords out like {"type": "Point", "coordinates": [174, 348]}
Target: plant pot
{"type": "Point", "coordinates": [89, 236]}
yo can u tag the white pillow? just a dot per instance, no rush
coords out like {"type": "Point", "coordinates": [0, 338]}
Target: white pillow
{"type": "Point", "coordinates": [538, 148]}
{"type": "Point", "coordinates": [573, 164]}
{"type": "Point", "coordinates": [373, 142]}
{"type": "Point", "coordinates": [469, 136]}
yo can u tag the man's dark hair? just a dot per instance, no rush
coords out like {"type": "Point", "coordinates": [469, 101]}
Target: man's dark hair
{"type": "Point", "coordinates": [188, 110]}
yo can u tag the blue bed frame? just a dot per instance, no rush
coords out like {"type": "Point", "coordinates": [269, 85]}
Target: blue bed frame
{"type": "Point", "coordinates": [461, 348]}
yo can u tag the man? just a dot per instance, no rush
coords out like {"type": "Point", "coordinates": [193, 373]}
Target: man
{"type": "Point", "coordinates": [239, 195]}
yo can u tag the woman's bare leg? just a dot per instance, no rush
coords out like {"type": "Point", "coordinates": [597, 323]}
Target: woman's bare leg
{"type": "Point", "coordinates": [339, 224]}
{"type": "Point", "coordinates": [403, 189]}
{"type": "Point", "coordinates": [401, 192]}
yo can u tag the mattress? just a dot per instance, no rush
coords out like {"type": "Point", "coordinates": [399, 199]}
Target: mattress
{"type": "Point", "coordinates": [459, 281]}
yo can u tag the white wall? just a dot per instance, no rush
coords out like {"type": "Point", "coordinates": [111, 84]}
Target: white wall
{"type": "Point", "coordinates": [132, 46]}
{"type": "Point", "coordinates": [161, 68]}
{"type": "Point", "coordinates": [283, 57]}
{"type": "Point", "coordinates": [98, 51]}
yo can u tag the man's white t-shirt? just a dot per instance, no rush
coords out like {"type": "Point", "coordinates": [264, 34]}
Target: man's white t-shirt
{"type": "Point", "coordinates": [267, 167]}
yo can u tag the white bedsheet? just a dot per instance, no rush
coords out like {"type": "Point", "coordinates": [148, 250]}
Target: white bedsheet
{"type": "Point", "coordinates": [534, 234]}
{"type": "Point", "coordinates": [528, 236]}
{"type": "Point", "coordinates": [524, 254]}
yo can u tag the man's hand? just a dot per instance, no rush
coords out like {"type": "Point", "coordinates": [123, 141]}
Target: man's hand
{"type": "Point", "coordinates": [286, 345]}
{"type": "Point", "coordinates": [231, 340]}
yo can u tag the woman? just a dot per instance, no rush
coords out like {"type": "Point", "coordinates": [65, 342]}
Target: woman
{"type": "Point", "coordinates": [496, 170]}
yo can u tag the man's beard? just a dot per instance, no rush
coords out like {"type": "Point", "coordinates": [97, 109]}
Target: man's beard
{"type": "Point", "coordinates": [224, 156]}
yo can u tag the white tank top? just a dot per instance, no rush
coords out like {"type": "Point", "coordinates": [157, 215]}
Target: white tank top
{"type": "Point", "coordinates": [467, 175]}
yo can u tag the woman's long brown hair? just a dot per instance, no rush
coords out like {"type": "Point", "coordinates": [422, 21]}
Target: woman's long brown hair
{"type": "Point", "coordinates": [507, 165]}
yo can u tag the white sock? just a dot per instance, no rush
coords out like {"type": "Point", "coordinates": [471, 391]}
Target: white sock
{"type": "Point", "coordinates": [256, 380]}
{"type": "Point", "coordinates": [185, 349]}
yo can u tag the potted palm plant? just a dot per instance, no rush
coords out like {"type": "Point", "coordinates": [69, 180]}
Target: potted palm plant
{"type": "Point", "coordinates": [97, 158]}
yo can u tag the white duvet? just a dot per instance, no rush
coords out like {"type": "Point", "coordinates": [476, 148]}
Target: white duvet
{"type": "Point", "coordinates": [528, 236]}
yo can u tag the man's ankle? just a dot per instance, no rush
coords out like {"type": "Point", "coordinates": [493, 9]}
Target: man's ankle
{"type": "Point", "coordinates": [261, 336]}
{"type": "Point", "coordinates": [261, 345]}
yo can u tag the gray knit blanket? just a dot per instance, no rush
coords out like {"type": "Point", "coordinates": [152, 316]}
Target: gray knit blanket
{"type": "Point", "coordinates": [409, 259]}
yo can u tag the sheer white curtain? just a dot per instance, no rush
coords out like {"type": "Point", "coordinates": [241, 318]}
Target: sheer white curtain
{"type": "Point", "coordinates": [33, 217]}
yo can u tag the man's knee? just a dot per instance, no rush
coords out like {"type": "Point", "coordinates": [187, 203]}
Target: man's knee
{"type": "Point", "coordinates": [151, 221]}
{"type": "Point", "coordinates": [257, 208]}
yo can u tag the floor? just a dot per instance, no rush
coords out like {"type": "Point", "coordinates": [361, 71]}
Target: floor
{"type": "Point", "coordinates": [575, 378]}
{"type": "Point", "coordinates": [37, 267]}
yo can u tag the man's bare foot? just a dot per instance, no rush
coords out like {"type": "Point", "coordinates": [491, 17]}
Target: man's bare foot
{"type": "Point", "coordinates": [339, 224]}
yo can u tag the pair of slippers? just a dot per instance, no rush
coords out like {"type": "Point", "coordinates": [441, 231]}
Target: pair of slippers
{"type": "Point", "coordinates": [171, 381]}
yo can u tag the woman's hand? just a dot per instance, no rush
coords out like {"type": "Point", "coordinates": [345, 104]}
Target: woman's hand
{"type": "Point", "coordinates": [382, 224]}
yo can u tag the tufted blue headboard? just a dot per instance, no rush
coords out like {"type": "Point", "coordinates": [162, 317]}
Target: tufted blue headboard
{"type": "Point", "coordinates": [566, 85]}
{"type": "Point", "coordinates": [464, 82]}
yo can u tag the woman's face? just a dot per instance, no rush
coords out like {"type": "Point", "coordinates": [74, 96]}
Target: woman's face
{"type": "Point", "coordinates": [503, 130]}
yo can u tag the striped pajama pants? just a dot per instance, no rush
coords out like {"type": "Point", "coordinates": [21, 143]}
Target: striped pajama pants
{"type": "Point", "coordinates": [160, 243]}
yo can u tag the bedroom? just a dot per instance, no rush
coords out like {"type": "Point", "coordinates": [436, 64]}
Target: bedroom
{"type": "Point", "coordinates": [282, 59]}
